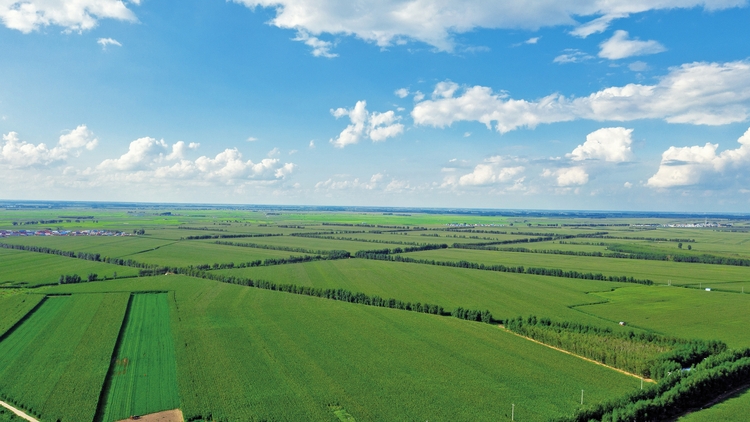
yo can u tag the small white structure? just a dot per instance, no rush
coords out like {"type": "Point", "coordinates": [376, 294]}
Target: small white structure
{"type": "Point", "coordinates": [708, 289]}
{"type": "Point", "coordinates": [622, 323]}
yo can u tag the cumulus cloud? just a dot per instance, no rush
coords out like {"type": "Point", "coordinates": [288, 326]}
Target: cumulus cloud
{"type": "Point", "coordinates": [696, 93]}
{"type": "Point", "coordinates": [684, 166]}
{"type": "Point", "coordinates": [388, 22]}
{"type": "Point", "coordinates": [74, 16]}
{"type": "Point", "coordinates": [569, 176]}
{"type": "Point", "coordinates": [149, 158]}
{"type": "Point", "coordinates": [21, 154]}
{"type": "Point", "coordinates": [401, 93]}
{"type": "Point", "coordinates": [608, 144]}
{"type": "Point", "coordinates": [104, 42]}
{"type": "Point", "coordinates": [493, 170]}
{"type": "Point", "coordinates": [620, 47]}
{"type": "Point", "coordinates": [597, 25]}
{"type": "Point", "coordinates": [376, 181]}
{"type": "Point", "coordinates": [319, 47]}
{"type": "Point", "coordinates": [376, 126]}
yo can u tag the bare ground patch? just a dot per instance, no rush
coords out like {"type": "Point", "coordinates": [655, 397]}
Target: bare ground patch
{"type": "Point", "coordinates": [165, 416]}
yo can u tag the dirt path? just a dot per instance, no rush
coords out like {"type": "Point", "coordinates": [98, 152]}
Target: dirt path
{"type": "Point", "coordinates": [18, 413]}
{"type": "Point", "coordinates": [578, 356]}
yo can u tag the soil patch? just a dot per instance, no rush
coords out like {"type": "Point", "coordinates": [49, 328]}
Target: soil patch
{"type": "Point", "coordinates": [165, 416]}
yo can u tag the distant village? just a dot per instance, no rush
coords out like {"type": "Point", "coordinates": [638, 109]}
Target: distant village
{"type": "Point", "coordinates": [48, 232]}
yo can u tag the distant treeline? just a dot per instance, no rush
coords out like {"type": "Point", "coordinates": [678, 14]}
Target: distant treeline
{"type": "Point", "coordinates": [201, 228]}
{"type": "Point", "coordinates": [646, 354]}
{"type": "Point", "coordinates": [373, 225]}
{"type": "Point", "coordinates": [340, 253]}
{"type": "Point", "coordinates": [24, 223]}
{"type": "Point", "coordinates": [354, 239]}
{"type": "Point", "coordinates": [257, 263]}
{"type": "Point", "coordinates": [230, 236]}
{"type": "Point", "coordinates": [313, 234]}
{"type": "Point", "coordinates": [681, 257]}
{"type": "Point", "coordinates": [650, 239]}
{"type": "Point", "coordinates": [676, 394]}
{"type": "Point", "coordinates": [552, 272]}
{"type": "Point", "coordinates": [546, 238]}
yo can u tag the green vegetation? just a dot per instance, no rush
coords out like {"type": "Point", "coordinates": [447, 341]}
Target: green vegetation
{"type": "Point", "coordinates": [292, 315]}
{"type": "Point", "coordinates": [142, 378]}
{"type": "Point", "coordinates": [72, 338]}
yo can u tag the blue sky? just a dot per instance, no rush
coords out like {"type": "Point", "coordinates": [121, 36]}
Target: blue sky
{"type": "Point", "coordinates": [621, 105]}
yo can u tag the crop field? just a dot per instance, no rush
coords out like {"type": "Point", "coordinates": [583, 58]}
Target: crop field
{"type": "Point", "coordinates": [222, 352]}
{"type": "Point", "coordinates": [182, 254]}
{"type": "Point", "coordinates": [681, 273]}
{"type": "Point", "coordinates": [113, 246]}
{"type": "Point", "coordinates": [143, 377]}
{"type": "Point", "coordinates": [15, 307]}
{"type": "Point", "coordinates": [688, 313]}
{"type": "Point", "coordinates": [245, 353]}
{"type": "Point", "coordinates": [72, 339]}
{"type": "Point", "coordinates": [506, 295]}
{"type": "Point", "coordinates": [22, 268]}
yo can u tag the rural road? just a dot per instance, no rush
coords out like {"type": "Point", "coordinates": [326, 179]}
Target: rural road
{"type": "Point", "coordinates": [17, 412]}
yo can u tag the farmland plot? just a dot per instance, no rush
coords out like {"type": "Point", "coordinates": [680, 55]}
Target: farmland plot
{"type": "Point", "coordinates": [13, 308]}
{"type": "Point", "coordinates": [186, 253]}
{"type": "Point", "coordinates": [72, 339]}
{"type": "Point", "coordinates": [22, 268]}
{"type": "Point", "coordinates": [143, 379]}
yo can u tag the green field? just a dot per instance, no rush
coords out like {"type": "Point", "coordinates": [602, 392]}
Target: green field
{"type": "Point", "coordinates": [110, 349]}
{"type": "Point", "coordinates": [72, 339]}
{"type": "Point", "coordinates": [506, 295]}
{"type": "Point", "coordinates": [688, 313]}
{"type": "Point", "coordinates": [22, 268]}
{"type": "Point", "coordinates": [143, 377]}
{"type": "Point", "coordinates": [681, 273]}
{"type": "Point", "coordinates": [245, 353]}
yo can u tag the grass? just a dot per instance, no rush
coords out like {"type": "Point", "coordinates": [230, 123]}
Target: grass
{"type": "Point", "coordinates": [115, 246]}
{"type": "Point", "coordinates": [72, 339]}
{"type": "Point", "coordinates": [22, 268]}
{"type": "Point", "coordinates": [733, 409]}
{"type": "Point", "coordinates": [143, 377]}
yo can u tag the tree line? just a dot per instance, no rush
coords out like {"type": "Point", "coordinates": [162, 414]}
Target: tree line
{"type": "Point", "coordinates": [551, 272]}
{"type": "Point", "coordinates": [229, 236]}
{"type": "Point", "coordinates": [678, 257]}
{"type": "Point", "coordinates": [680, 391]}
{"type": "Point", "coordinates": [338, 253]}
{"type": "Point", "coordinates": [646, 354]}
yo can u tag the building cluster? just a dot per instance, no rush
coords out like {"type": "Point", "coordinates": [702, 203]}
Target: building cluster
{"type": "Point", "coordinates": [697, 225]}
{"type": "Point", "coordinates": [47, 232]}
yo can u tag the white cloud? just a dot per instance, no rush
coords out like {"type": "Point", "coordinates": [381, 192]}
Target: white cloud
{"type": "Point", "coordinates": [388, 22]}
{"type": "Point", "coordinates": [104, 42]}
{"type": "Point", "coordinates": [252, 139]}
{"type": "Point", "coordinates": [638, 66]}
{"type": "Point", "coordinates": [319, 47]}
{"type": "Point", "coordinates": [312, 144]}
{"type": "Point", "coordinates": [401, 92]}
{"type": "Point", "coordinates": [570, 176]}
{"type": "Point", "coordinates": [620, 47]}
{"type": "Point", "coordinates": [628, 185]}
{"type": "Point", "coordinates": [73, 15]}
{"type": "Point", "coordinates": [609, 144]}
{"type": "Point", "coordinates": [141, 152]}
{"type": "Point", "coordinates": [695, 93]}
{"type": "Point", "coordinates": [571, 55]}
{"type": "Point", "coordinates": [274, 152]}
{"type": "Point", "coordinates": [179, 149]}
{"type": "Point", "coordinates": [684, 166]}
{"type": "Point", "coordinates": [376, 126]}
{"type": "Point", "coordinates": [532, 40]}
{"type": "Point", "coordinates": [21, 154]}
{"type": "Point", "coordinates": [418, 96]}
{"type": "Point", "coordinates": [597, 25]}
{"type": "Point", "coordinates": [493, 170]}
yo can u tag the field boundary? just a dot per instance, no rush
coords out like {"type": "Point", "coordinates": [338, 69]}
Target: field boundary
{"type": "Point", "coordinates": [99, 414]}
{"type": "Point", "coordinates": [21, 320]}
{"type": "Point", "coordinates": [578, 356]}
{"type": "Point", "coordinates": [18, 413]}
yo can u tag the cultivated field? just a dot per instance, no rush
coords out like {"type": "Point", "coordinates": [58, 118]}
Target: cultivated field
{"type": "Point", "coordinates": [240, 330]}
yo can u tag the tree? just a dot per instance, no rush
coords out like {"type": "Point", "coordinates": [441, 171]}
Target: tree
{"type": "Point", "coordinates": [690, 247]}
{"type": "Point", "coordinates": [679, 245]}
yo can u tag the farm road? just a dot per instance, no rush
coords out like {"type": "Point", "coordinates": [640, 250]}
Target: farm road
{"type": "Point", "coordinates": [17, 412]}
